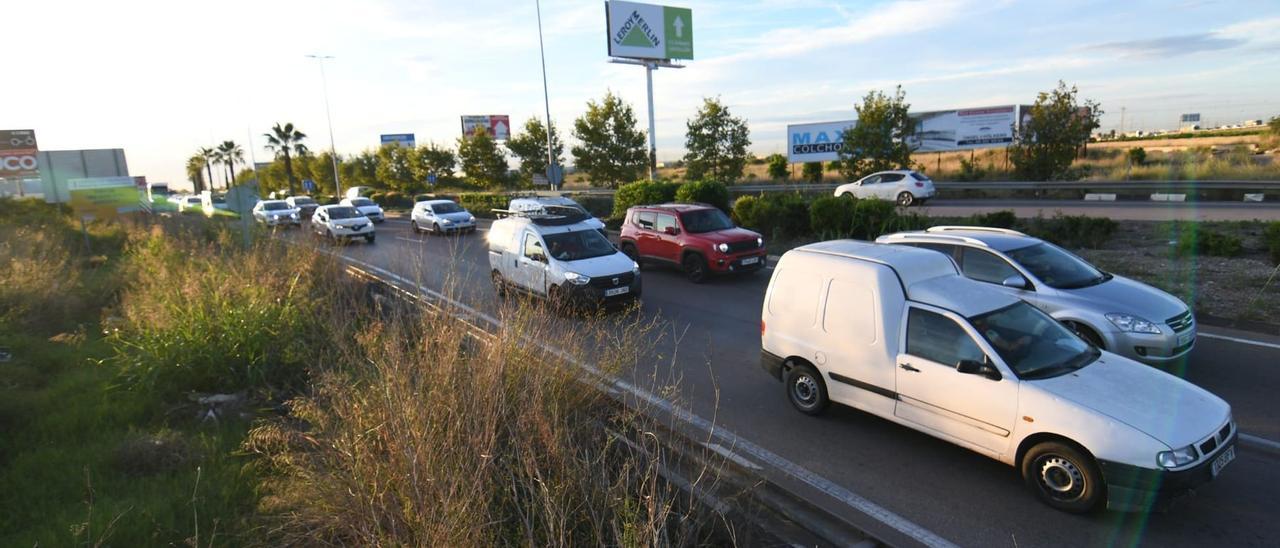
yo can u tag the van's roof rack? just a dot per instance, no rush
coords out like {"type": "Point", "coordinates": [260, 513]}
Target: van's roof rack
{"type": "Point", "coordinates": [543, 219]}
{"type": "Point", "coordinates": [994, 230]}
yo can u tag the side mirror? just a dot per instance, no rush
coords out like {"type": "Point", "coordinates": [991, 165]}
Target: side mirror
{"type": "Point", "coordinates": [671, 231]}
{"type": "Point", "coordinates": [975, 367]}
{"type": "Point", "coordinates": [1015, 281]}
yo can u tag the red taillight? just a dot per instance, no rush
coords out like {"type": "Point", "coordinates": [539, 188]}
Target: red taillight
{"type": "Point", "coordinates": [761, 328]}
{"type": "Point", "coordinates": [919, 184]}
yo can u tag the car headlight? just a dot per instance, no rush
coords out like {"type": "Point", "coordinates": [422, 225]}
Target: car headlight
{"type": "Point", "coordinates": [1133, 324]}
{"type": "Point", "coordinates": [471, 219]}
{"type": "Point", "coordinates": [577, 279]}
{"type": "Point", "coordinates": [635, 267]}
{"type": "Point", "coordinates": [446, 222]}
{"type": "Point", "coordinates": [293, 215]}
{"type": "Point", "coordinates": [723, 248]}
{"type": "Point", "coordinates": [1177, 457]}
{"type": "Point", "coordinates": [759, 241]}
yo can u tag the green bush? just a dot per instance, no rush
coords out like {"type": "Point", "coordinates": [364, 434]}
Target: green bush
{"type": "Point", "coordinates": [395, 200]}
{"type": "Point", "coordinates": [1271, 236]}
{"type": "Point", "coordinates": [704, 192]}
{"type": "Point", "coordinates": [482, 204]}
{"type": "Point", "coordinates": [994, 219]}
{"type": "Point", "coordinates": [774, 214]}
{"type": "Point", "coordinates": [812, 172]}
{"type": "Point", "coordinates": [642, 193]}
{"type": "Point", "coordinates": [1073, 231]}
{"type": "Point", "coordinates": [598, 205]}
{"type": "Point", "coordinates": [832, 217]}
{"type": "Point", "coordinates": [1137, 156]}
{"type": "Point", "coordinates": [379, 196]}
{"type": "Point", "coordinates": [873, 218]}
{"type": "Point", "coordinates": [970, 171]}
{"type": "Point", "coordinates": [1197, 241]}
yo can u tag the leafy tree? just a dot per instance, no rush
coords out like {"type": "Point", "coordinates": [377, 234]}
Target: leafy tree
{"type": "Point", "coordinates": [716, 143]}
{"type": "Point", "coordinates": [361, 170]}
{"type": "Point", "coordinates": [777, 166]}
{"type": "Point", "coordinates": [285, 142]}
{"type": "Point", "coordinates": [394, 167]}
{"type": "Point", "coordinates": [530, 148]}
{"type": "Point", "coordinates": [432, 159]}
{"type": "Point", "coordinates": [482, 160]}
{"type": "Point", "coordinates": [812, 172]}
{"type": "Point", "coordinates": [230, 154]}
{"type": "Point", "coordinates": [210, 156]}
{"type": "Point", "coordinates": [195, 171]}
{"type": "Point", "coordinates": [611, 148]}
{"type": "Point", "coordinates": [878, 141]}
{"type": "Point", "coordinates": [1137, 156]}
{"type": "Point", "coordinates": [1044, 147]}
{"type": "Point", "coordinates": [321, 168]}
{"type": "Point", "coordinates": [1274, 124]}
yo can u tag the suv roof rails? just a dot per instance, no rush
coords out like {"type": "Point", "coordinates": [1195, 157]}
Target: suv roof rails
{"type": "Point", "coordinates": [933, 237]}
{"type": "Point", "coordinates": [992, 230]}
{"type": "Point", "coordinates": [542, 219]}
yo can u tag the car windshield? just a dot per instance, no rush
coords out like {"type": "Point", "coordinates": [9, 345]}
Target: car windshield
{"type": "Point", "coordinates": [574, 246]}
{"type": "Point", "coordinates": [362, 202]}
{"type": "Point", "coordinates": [705, 220]}
{"type": "Point", "coordinates": [344, 212]}
{"type": "Point", "coordinates": [1032, 343]}
{"type": "Point", "coordinates": [1056, 267]}
{"type": "Point", "coordinates": [447, 207]}
{"type": "Point", "coordinates": [275, 206]}
{"type": "Point", "coordinates": [303, 201]}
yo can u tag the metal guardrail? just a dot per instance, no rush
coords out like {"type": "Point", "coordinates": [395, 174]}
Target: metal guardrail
{"type": "Point", "coordinates": [1082, 186]}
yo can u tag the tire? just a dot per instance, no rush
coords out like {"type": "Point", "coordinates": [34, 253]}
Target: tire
{"type": "Point", "coordinates": [333, 238]}
{"type": "Point", "coordinates": [1085, 332]}
{"type": "Point", "coordinates": [435, 228]}
{"type": "Point", "coordinates": [1064, 477]}
{"type": "Point", "coordinates": [695, 268]}
{"type": "Point", "coordinates": [370, 238]}
{"type": "Point", "coordinates": [806, 390]}
{"type": "Point", "coordinates": [499, 286]}
{"type": "Point", "coordinates": [630, 251]}
{"type": "Point", "coordinates": [414, 226]}
{"type": "Point", "coordinates": [905, 199]}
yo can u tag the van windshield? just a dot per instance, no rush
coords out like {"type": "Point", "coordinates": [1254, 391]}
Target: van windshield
{"type": "Point", "coordinates": [1033, 344]}
{"type": "Point", "coordinates": [575, 246]}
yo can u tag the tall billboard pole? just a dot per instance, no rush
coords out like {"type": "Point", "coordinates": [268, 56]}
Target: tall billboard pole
{"type": "Point", "coordinates": [333, 151]}
{"type": "Point", "coordinates": [650, 36]}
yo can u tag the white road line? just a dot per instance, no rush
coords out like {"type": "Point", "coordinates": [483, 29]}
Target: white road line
{"type": "Point", "coordinates": [827, 487]}
{"type": "Point", "coordinates": [1238, 340]}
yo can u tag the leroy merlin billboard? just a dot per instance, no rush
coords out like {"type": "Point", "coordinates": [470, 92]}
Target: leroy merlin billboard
{"type": "Point", "coordinates": [646, 31]}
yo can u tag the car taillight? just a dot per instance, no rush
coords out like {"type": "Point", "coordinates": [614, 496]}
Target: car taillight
{"type": "Point", "coordinates": [761, 328]}
{"type": "Point", "coordinates": [919, 184]}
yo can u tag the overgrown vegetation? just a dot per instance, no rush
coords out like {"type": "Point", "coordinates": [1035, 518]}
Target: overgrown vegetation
{"type": "Point", "coordinates": [704, 192]}
{"type": "Point", "coordinates": [1271, 236]}
{"type": "Point", "coordinates": [642, 193]}
{"type": "Point", "coordinates": [879, 141]}
{"type": "Point", "coordinates": [1194, 240]}
{"type": "Point", "coordinates": [716, 143]}
{"type": "Point", "coordinates": [1046, 143]}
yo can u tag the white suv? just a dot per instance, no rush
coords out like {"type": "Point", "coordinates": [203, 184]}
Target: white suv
{"type": "Point", "coordinates": [339, 222]}
{"type": "Point", "coordinates": [897, 332]}
{"type": "Point", "coordinates": [902, 186]}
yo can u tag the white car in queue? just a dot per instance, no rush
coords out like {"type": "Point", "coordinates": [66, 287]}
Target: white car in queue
{"type": "Point", "coordinates": [339, 222]}
{"type": "Point", "coordinates": [277, 213]}
{"type": "Point", "coordinates": [561, 258]}
{"type": "Point", "coordinates": [903, 186]}
{"type": "Point", "coordinates": [898, 332]}
{"type": "Point", "coordinates": [367, 207]}
{"type": "Point", "coordinates": [441, 216]}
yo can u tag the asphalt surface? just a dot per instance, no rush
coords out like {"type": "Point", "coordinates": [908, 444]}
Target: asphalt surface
{"type": "Point", "coordinates": [1120, 211]}
{"type": "Point", "coordinates": [707, 357]}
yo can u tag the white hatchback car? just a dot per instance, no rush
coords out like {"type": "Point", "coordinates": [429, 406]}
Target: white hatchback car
{"type": "Point", "coordinates": [276, 213]}
{"type": "Point", "coordinates": [441, 216]}
{"type": "Point", "coordinates": [368, 207]}
{"type": "Point", "coordinates": [903, 186]}
{"type": "Point", "coordinates": [899, 333]}
{"type": "Point", "coordinates": [339, 222]}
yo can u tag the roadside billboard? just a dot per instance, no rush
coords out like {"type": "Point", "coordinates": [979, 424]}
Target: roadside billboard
{"type": "Point", "coordinates": [646, 31]}
{"type": "Point", "coordinates": [818, 142]}
{"type": "Point", "coordinates": [497, 125]}
{"type": "Point", "coordinates": [948, 130]}
{"type": "Point", "coordinates": [19, 161]}
{"type": "Point", "coordinates": [401, 139]}
{"type": "Point", "coordinates": [104, 197]}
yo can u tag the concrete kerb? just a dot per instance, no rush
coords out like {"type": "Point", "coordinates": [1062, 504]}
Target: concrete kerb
{"type": "Point", "coordinates": [1262, 445]}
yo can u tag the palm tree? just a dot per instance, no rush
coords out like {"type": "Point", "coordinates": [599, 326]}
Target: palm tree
{"type": "Point", "coordinates": [284, 141]}
{"type": "Point", "coordinates": [210, 157]}
{"type": "Point", "coordinates": [195, 171]}
{"type": "Point", "coordinates": [230, 154]}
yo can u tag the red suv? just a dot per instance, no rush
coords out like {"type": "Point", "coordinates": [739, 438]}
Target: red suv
{"type": "Point", "coordinates": [698, 238]}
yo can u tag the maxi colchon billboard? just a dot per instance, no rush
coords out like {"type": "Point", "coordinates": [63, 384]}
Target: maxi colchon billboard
{"type": "Point", "coordinates": [935, 131]}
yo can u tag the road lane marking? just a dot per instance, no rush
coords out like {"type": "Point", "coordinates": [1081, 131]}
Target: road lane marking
{"type": "Point", "coordinates": [820, 483]}
{"type": "Point", "coordinates": [1239, 340]}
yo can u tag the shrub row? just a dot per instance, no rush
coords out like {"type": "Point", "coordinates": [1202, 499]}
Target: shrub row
{"type": "Point", "coordinates": [1271, 236]}
{"type": "Point", "coordinates": [704, 192]}
{"type": "Point", "coordinates": [1073, 231]}
{"type": "Point", "coordinates": [483, 204]}
{"type": "Point", "coordinates": [642, 193]}
{"type": "Point", "coordinates": [1194, 240]}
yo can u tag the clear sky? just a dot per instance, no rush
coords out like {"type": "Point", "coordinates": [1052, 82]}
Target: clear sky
{"type": "Point", "coordinates": [162, 78]}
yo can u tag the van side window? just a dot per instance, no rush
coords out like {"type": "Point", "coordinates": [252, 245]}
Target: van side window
{"type": "Point", "coordinates": [665, 221]}
{"type": "Point", "coordinates": [937, 338]}
{"type": "Point", "coordinates": [985, 267]}
{"type": "Point", "coordinates": [533, 247]}
{"type": "Point", "coordinates": [645, 219]}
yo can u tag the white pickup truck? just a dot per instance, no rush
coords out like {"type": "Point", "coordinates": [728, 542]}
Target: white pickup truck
{"type": "Point", "coordinates": [897, 332]}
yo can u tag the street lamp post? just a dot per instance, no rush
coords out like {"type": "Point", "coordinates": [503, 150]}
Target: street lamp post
{"type": "Point", "coordinates": [546, 99]}
{"type": "Point", "coordinates": [333, 151]}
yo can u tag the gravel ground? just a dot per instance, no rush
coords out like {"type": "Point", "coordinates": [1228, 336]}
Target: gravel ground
{"type": "Point", "coordinates": [1225, 287]}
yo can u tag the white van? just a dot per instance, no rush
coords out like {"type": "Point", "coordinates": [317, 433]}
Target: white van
{"type": "Point", "coordinates": [554, 205]}
{"type": "Point", "coordinates": [897, 332]}
{"type": "Point", "coordinates": [561, 258]}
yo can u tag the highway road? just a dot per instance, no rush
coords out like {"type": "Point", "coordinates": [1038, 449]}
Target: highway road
{"type": "Point", "coordinates": [1120, 211]}
{"type": "Point", "coordinates": [901, 485]}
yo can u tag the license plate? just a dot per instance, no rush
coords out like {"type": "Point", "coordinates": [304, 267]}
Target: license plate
{"type": "Point", "coordinates": [1222, 460]}
{"type": "Point", "coordinates": [750, 260]}
{"type": "Point", "coordinates": [1185, 338]}
{"type": "Point", "coordinates": [616, 291]}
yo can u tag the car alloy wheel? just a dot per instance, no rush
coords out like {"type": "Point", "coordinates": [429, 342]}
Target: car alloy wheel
{"type": "Point", "coordinates": [906, 199]}
{"type": "Point", "coordinates": [695, 268]}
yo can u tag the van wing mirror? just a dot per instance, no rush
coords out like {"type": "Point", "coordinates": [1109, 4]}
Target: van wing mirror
{"type": "Point", "coordinates": [1015, 281]}
{"type": "Point", "coordinates": [975, 367]}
